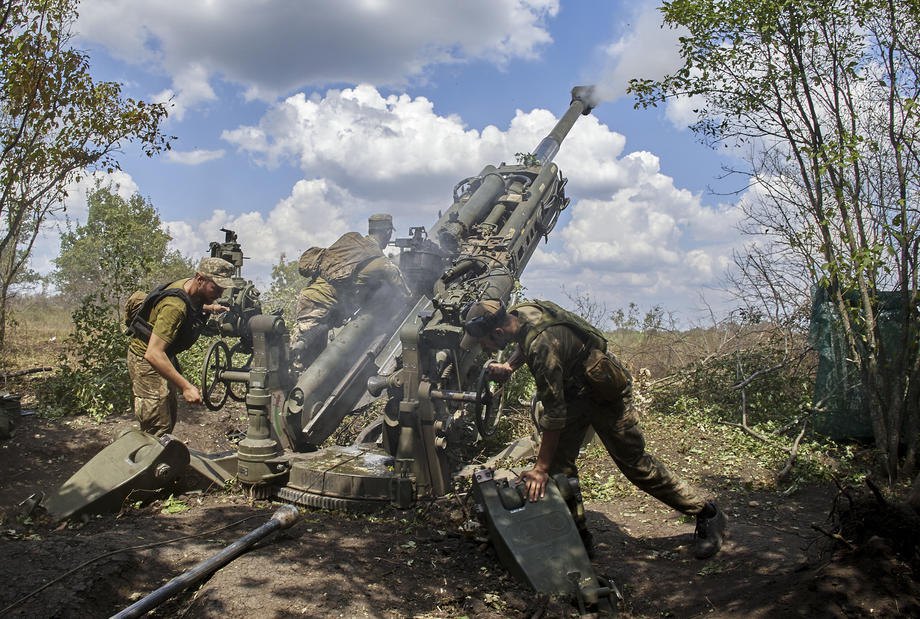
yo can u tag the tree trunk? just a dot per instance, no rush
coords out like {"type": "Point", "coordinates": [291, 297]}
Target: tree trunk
{"type": "Point", "coordinates": [4, 297]}
{"type": "Point", "coordinates": [913, 497]}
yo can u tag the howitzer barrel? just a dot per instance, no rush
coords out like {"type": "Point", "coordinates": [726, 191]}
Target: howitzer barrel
{"type": "Point", "coordinates": [581, 105]}
{"type": "Point", "coordinates": [522, 219]}
{"type": "Point", "coordinates": [458, 219]}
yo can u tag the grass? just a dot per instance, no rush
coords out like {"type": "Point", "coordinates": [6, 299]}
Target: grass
{"type": "Point", "coordinates": [691, 438]}
{"type": "Point", "coordinates": [34, 336]}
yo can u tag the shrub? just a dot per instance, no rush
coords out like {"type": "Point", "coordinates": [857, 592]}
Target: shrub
{"type": "Point", "coordinates": [92, 376]}
{"type": "Point", "coordinates": [783, 391]}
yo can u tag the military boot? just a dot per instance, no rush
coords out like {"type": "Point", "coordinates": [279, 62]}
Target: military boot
{"type": "Point", "coordinates": [710, 531]}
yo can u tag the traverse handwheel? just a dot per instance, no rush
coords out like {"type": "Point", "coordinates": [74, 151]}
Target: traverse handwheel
{"type": "Point", "coordinates": [486, 406]}
{"type": "Point", "coordinates": [214, 389]}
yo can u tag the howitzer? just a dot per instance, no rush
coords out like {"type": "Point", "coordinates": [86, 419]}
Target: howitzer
{"type": "Point", "coordinates": [242, 303]}
{"type": "Point", "coordinates": [439, 401]}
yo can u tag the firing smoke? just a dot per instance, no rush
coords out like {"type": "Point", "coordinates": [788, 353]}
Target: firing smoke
{"type": "Point", "coordinates": [647, 49]}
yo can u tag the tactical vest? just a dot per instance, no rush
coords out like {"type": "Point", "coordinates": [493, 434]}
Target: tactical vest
{"type": "Point", "coordinates": [607, 378]}
{"type": "Point", "coordinates": [555, 315]}
{"type": "Point", "coordinates": [339, 262]}
{"type": "Point", "coordinates": [195, 318]}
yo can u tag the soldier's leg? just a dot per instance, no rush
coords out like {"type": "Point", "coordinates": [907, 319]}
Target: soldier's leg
{"type": "Point", "coordinates": [311, 327]}
{"type": "Point", "coordinates": [617, 426]}
{"type": "Point", "coordinates": [155, 401]}
{"type": "Point", "coordinates": [571, 440]}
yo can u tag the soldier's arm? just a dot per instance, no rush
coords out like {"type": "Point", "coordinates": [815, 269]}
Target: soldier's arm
{"type": "Point", "coordinates": [156, 356]}
{"type": "Point", "coordinates": [503, 371]}
{"type": "Point", "coordinates": [548, 372]}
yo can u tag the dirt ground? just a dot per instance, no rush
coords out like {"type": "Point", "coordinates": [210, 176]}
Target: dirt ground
{"type": "Point", "coordinates": [418, 563]}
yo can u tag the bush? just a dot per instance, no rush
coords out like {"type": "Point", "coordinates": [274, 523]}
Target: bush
{"type": "Point", "coordinates": [776, 371]}
{"type": "Point", "coordinates": [92, 376]}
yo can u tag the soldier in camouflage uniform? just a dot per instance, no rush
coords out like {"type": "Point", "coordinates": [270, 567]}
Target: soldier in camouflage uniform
{"type": "Point", "coordinates": [582, 385]}
{"type": "Point", "coordinates": [175, 323]}
{"type": "Point", "coordinates": [328, 300]}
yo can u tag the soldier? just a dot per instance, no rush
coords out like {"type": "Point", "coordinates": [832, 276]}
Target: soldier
{"type": "Point", "coordinates": [167, 322]}
{"type": "Point", "coordinates": [342, 278]}
{"type": "Point", "coordinates": [582, 385]}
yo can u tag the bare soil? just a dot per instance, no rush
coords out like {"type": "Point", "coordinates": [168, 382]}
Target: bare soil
{"type": "Point", "coordinates": [420, 563]}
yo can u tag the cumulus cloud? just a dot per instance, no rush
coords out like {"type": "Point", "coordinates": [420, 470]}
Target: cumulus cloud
{"type": "Point", "coordinates": [630, 232]}
{"type": "Point", "coordinates": [648, 240]}
{"type": "Point", "coordinates": [289, 228]}
{"type": "Point", "coordinates": [645, 50]}
{"type": "Point", "coordinates": [274, 46]}
{"type": "Point", "coordinates": [193, 157]}
{"type": "Point", "coordinates": [191, 86]}
{"type": "Point", "coordinates": [397, 147]}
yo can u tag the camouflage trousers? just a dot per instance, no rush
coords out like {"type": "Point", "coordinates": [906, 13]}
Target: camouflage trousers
{"type": "Point", "coordinates": [156, 400]}
{"type": "Point", "coordinates": [617, 426]}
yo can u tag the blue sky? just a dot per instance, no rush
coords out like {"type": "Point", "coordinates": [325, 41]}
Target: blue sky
{"type": "Point", "coordinates": [296, 120]}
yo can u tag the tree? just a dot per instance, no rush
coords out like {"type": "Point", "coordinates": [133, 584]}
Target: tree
{"type": "Point", "coordinates": [820, 97]}
{"type": "Point", "coordinates": [287, 282]}
{"type": "Point", "coordinates": [120, 248]}
{"type": "Point", "coordinates": [56, 124]}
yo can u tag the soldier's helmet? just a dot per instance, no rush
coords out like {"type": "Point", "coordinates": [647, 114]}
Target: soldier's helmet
{"type": "Point", "coordinates": [380, 222]}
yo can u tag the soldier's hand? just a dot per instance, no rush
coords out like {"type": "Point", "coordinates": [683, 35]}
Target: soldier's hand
{"type": "Point", "coordinates": [500, 371]}
{"type": "Point", "coordinates": [215, 308]}
{"type": "Point", "coordinates": [534, 484]}
{"type": "Point", "coordinates": [192, 395]}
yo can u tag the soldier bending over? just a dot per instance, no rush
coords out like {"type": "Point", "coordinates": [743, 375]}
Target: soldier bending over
{"type": "Point", "coordinates": [167, 322]}
{"type": "Point", "coordinates": [582, 385]}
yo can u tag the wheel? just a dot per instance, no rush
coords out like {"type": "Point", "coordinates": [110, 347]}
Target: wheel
{"type": "Point", "coordinates": [237, 391]}
{"type": "Point", "coordinates": [487, 404]}
{"type": "Point", "coordinates": [214, 390]}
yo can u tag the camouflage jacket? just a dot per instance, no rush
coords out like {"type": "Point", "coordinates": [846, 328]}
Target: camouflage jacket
{"type": "Point", "coordinates": [555, 355]}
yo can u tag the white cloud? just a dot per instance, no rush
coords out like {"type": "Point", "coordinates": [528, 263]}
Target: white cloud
{"type": "Point", "coordinates": [190, 87]}
{"type": "Point", "coordinates": [646, 50]}
{"type": "Point", "coordinates": [632, 233]}
{"type": "Point", "coordinates": [315, 213]}
{"type": "Point", "coordinates": [386, 147]}
{"type": "Point", "coordinates": [273, 47]}
{"type": "Point", "coordinates": [681, 111]}
{"type": "Point", "coordinates": [193, 157]}
{"type": "Point", "coordinates": [629, 233]}
{"type": "Point", "coordinates": [647, 241]}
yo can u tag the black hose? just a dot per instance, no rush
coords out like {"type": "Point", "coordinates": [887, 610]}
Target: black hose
{"type": "Point", "coordinates": [283, 518]}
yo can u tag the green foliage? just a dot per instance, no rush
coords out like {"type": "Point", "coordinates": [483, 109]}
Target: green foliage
{"type": "Point", "coordinates": [56, 124]}
{"type": "Point", "coordinates": [528, 159]}
{"type": "Point", "coordinates": [631, 319]}
{"type": "Point", "coordinates": [92, 373]}
{"type": "Point", "coordinates": [172, 505]}
{"type": "Point", "coordinates": [122, 244]}
{"type": "Point", "coordinates": [819, 98]}
{"type": "Point", "coordinates": [286, 284]}
{"type": "Point", "coordinates": [119, 249]}
{"type": "Point", "coordinates": [191, 360]}
{"type": "Point", "coordinates": [710, 385]}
